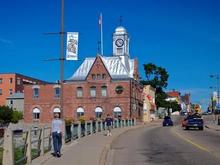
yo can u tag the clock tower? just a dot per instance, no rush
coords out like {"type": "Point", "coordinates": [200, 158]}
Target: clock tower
{"type": "Point", "coordinates": [121, 45]}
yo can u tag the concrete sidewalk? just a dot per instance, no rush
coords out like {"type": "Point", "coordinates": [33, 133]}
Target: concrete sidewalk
{"type": "Point", "coordinates": [89, 150]}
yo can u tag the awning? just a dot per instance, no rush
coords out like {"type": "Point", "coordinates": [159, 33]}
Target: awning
{"type": "Point", "coordinates": [117, 109]}
{"type": "Point", "coordinates": [36, 110]}
{"type": "Point", "coordinates": [56, 110]}
{"type": "Point", "coordinates": [98, 109]}
{"type": "Point", "coordinates": [80, 110]}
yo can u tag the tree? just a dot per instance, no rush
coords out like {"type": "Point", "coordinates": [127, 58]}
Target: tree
{"type": "Point", "coordinates": [8, 115]}
{"type": "Point", "coordinates": [157, 77]}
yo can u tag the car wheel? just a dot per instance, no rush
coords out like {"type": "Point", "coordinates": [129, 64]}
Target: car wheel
{"type": "Point", "coordinates": [201, 128]}
{"type": "Point", "coordinates": [187, 128]}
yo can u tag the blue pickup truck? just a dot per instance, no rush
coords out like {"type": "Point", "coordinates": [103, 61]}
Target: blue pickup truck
{"type": "Point", "coordinates": [193, 121]}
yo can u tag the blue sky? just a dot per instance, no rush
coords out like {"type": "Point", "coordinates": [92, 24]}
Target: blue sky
{"type": "Point", "coordinates": [182, 36]}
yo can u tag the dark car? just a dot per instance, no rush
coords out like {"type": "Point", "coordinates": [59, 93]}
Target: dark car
{"type": "Point", "coordinates": [193, 121]}
{"type": "Point", "coordinates": [167, 121]}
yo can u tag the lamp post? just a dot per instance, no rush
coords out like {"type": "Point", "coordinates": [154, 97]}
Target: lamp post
{"type": "Point", "coordinates": [216, 76]}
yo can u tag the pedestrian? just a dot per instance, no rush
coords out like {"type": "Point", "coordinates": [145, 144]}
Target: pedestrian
{"type": "Point", "coordinates": [109, 124]}
{"type": "Point", "coordinates": [56, 129]}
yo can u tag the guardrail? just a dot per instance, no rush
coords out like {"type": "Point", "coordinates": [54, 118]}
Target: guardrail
{"type": "Point", "coordinates": [22, 147]}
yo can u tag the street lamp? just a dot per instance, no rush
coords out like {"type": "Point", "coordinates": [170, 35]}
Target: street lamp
{"type": "Point", "coordinates": [216, 76]}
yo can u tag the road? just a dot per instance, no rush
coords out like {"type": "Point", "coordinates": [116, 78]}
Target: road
{"type": "Point", "coordinates": [154, 144]}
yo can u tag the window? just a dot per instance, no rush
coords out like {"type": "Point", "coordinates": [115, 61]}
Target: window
{"type": "Point", "coordinates": [117, 112]}
{"type": "Point", "coordinates": [103, 76]}
{"type": "Point", "coordinates": [11, 80]}
{"type": "Point", "coordinates": [79, 92]}
{"type": "Point", "coordinates": [80, 112]}
{"type": "Point", "coordinates": [10, 91]}
{"type": "Point", "coordinates": [119, 89]}
{"type": "Point", "coordinates": [11, 102]}
{"type": "Point", "coordinates": [93, 91]}
{"type": "Point", "coordinates": [98, 76]}
{"type": "Point", "coordinates": [98, 112]}
{"type": "Point", "coordinates": [104, 91]}
{"type": "Point", "coordinates": [36, 113]}
{"type": "Point", "coordinates": [0, 91]}
{"type": "Point", "coordinates": [18, 81]}
{"type": "Point", "coordinates": [93, 76]}
{"type": "Point", "coordinates": [57, 92]}
{"type": "Point", "coordinates": [119, 50]}
{"type": "Point", "coordinates": [0, 80]}
{"type": "Point", "coordinates": [35, 93]}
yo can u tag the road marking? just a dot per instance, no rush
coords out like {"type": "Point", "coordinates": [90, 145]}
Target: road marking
{"type": "Point", "coordinates": [191, 142]}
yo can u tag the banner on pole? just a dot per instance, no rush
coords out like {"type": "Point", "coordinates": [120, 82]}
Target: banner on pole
{"type": "Point", "coordinates": [72, 46]}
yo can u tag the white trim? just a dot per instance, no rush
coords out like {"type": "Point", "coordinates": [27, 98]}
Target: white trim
{"type": "Point", "coordinates": [35, 86]}
{"type": "Point", "coordinates": [36, 110]}
{"type": "Point", "coordinates": [80, 110]}
{"type": "Point", "coordinates": [117, 109]}
{"type": "Point", "coordinates": [56, 110]}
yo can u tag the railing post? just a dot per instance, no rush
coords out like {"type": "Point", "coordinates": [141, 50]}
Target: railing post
{"type": "Point", "coordinates": [72, 130]}
{"type": "Point", "coordinates": [42, 141]}
{"type": "Point", "coordinates": [97, 126]}
{"type": "Point", "coordinates": [79, 130]}
{"type": "Point", "coordinates": [91, 128]}
{"type": "Point", "coordinates": [28, 154]}
{"type": "Point", "coordinates": [101, 126]}
{"type": "Point", "coordinates": [86, 133]}
{"type": "Point", "coordinates": [8, 152]}
{"type": "Point", "coordinates": [117, 123]}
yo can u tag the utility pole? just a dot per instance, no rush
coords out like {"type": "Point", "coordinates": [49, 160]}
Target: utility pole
{"type": "Point", "coordinates": [62, 59]}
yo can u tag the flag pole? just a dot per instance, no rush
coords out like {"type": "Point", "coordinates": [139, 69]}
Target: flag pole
{"type": "Point", "coordinates": [101, 33]}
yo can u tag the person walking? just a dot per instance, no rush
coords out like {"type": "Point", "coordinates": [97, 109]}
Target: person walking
{"type": "Point", "coordinates": [56, 130]}
{"type": "Point", "coordinates": [109, 124]}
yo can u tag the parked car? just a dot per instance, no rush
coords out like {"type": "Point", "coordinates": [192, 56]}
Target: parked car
{"type": "Point", "coordinates": [193, 121]}
{"type": "Point", "coordinates": [167, 121]}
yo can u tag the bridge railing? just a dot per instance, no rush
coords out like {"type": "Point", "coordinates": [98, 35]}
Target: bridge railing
{"type": "Point", "coordinates": [22, 147]}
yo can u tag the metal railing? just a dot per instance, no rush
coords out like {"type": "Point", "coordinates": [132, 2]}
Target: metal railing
{"type": "Point", "coordinates": [22, 147]}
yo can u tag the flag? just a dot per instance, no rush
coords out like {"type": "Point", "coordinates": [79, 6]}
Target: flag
{"type": "Point", "coordinates": [72, 46]}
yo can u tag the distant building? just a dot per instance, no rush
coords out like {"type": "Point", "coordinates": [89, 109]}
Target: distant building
{"type": "Point", "coordinates": [175, 94]}
{"type": "Point", "coordinates": [100, 86]}
{"type": "Point", "coordinates": [149, 106]}
{"type": "Point", "coordinates": [11, 83]}
{"type": "Point", "coordinates": [16, 101]}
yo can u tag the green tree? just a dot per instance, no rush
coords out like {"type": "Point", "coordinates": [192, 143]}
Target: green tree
{"type": "Point", "coordinates": [8, 115]}
{"type": "Point", "coordinates": [157, 77]}
{"type": "Point", "coordinates": [5, 114]}
{"type": "Point", "coordinates": [16, 116]}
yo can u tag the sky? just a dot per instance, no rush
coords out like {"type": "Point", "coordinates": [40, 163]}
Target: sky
{"type": "Point", "coordinates": [182, 36]}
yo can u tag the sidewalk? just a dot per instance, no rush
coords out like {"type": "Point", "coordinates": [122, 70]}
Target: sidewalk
{"type": "Point", "coordinates": [89, 150]}
{"type": "Point", "coordinates": [211, 122]}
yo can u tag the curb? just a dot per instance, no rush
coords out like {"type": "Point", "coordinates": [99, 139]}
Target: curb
{"type": "Point", "coordinates": [213, 128]}
{"type": "Point", "coordinates": [107, 147]}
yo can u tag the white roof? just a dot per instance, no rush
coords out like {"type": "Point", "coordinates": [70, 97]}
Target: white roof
{"type": "Point", "coordinates": [114, 66]}
{"type": "Point", "coordinates": [120, 30]}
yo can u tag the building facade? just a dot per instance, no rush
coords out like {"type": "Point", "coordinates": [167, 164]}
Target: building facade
{"type": "Point", "coordinates": [11, 83]}
{"type": "Point", "coordinates": [149, 106]}
{"type": "Point", "coordinates": [100, 86]}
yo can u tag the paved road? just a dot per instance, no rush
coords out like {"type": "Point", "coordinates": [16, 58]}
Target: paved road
{"type": "Point", "coordinates": [166, 146]}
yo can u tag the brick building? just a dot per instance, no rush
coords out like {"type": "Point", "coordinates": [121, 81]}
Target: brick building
{"type": "Point", "coordinates": [11, 83]}
{"type": "Point", "coordinates": [100, 86]}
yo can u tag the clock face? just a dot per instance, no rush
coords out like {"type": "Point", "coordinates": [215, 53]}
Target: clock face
{"type": "Point", "coordinates": [119, 42]}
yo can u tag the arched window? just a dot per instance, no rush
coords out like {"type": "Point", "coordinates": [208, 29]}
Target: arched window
{"type": "Point", "coordinates": [93, 91]}
{"type": "Point", "coordinates": [57, 110]}
{"type": "Point", "coordinates": [117, 112]}
{"type": "Point", "coordinates": [104, 91]}
{"type": "Point", "coordinates": [36, 113]}
{"type": "Point", "coordinates": [98, 112]}
{"type": "Point", "coordinates": [80, 112]}
{"type": "Point", "coordinates": [79, 92]}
